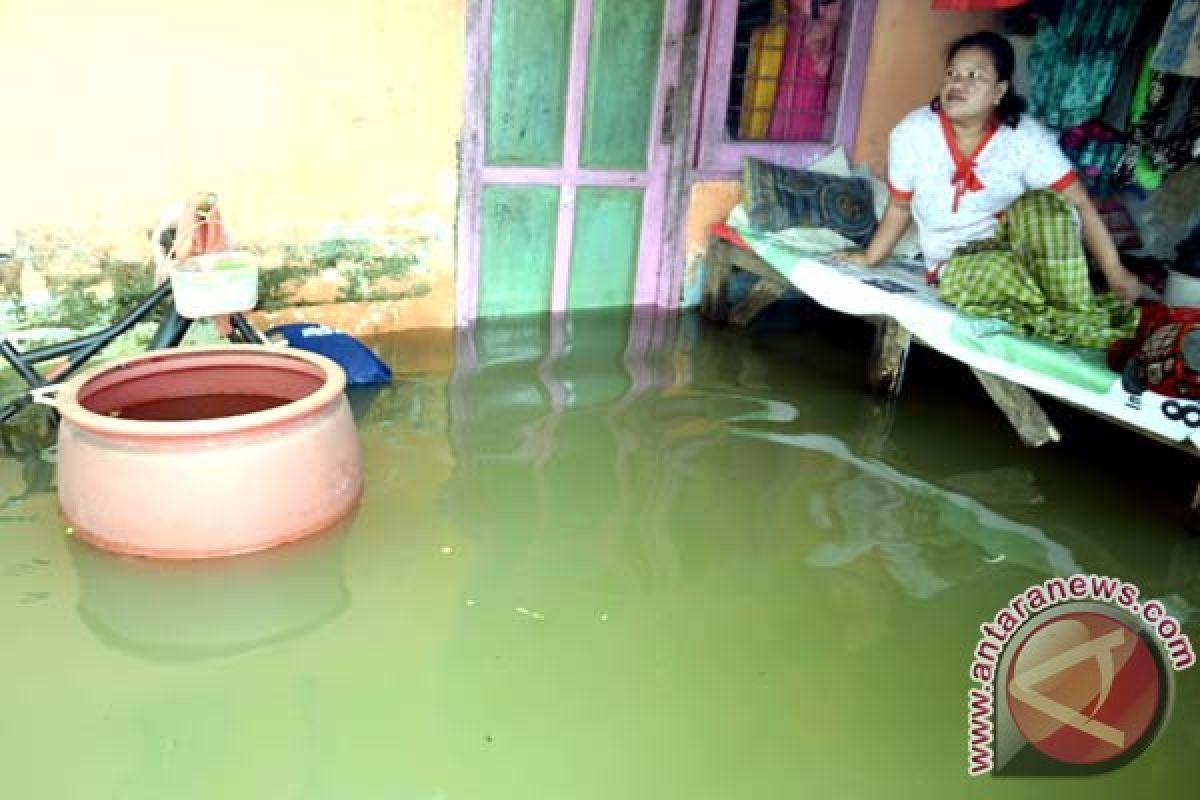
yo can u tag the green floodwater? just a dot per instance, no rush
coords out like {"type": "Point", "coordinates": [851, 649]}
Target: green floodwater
{"type": "Point", "coordinates": [603, 557]}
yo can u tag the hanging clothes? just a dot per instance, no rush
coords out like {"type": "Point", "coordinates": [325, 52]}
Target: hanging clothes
{"type": "Point", "coordinates": [1095, 150]}
{"type": "Point", "coordinates": [1179, 47]}
{"type": "Point", "coordinates": [762, 73]}
{"type": "Point", "coordinates": [751, 15]}
{"type": "Point", "coordinates": [1118, 107]}
{"type": "Point", "coordinates": [799, 112]}
{"type": "Point", "coordinates": [1074, 62]}
{"type": "Point", "coordinates": [975, 5]}
{"type": "Point", "coordinates": [1166, 136]}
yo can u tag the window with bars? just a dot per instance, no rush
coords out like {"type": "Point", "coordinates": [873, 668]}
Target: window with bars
{"type": "Point", "coordinates": [782, 79]}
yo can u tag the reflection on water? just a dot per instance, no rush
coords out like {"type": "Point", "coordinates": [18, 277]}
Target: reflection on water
{"type": "Point", "coordinates": [600, 555]}
{"type": "Point", "coordinates": [573, 437]}
{"type": "Point", "coordinates": [913, 524]}
{"type": "Point", "coordinates": [27, 456]}
{"type": "Point", "coordinates": [188, 610]}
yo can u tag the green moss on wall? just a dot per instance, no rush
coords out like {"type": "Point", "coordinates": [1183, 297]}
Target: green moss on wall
{"type": "Point", "coordinates": [89, 290]}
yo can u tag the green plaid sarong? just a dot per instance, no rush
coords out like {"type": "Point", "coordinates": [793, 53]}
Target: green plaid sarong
{"type": "Point", "coordinates": [1034, 274]}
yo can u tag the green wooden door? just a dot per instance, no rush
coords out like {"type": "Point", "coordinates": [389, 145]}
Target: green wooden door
{"type": "Point", "coordinates": [566, 207]}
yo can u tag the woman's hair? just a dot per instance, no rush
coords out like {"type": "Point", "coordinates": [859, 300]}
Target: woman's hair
{"type": "Point", "coordinates": [1012, 105]}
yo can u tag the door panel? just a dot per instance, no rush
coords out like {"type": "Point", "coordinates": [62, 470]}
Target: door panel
{"type": "Point", "coordinates": [565, 209]}
{"type": "Point", "coordinates": [622, 71]}
{"type": "Point", "coordinates": [527, 82]}
{"type": "Point", "coordinates": [608, 226]}
{"type": "Point", "coordinates": [517, 249]}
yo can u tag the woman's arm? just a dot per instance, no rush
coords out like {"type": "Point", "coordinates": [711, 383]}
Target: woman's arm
{"type": "Point", "coordinates": [896, 219]}
{"type": "Point", "coordinates": [1123, 283]}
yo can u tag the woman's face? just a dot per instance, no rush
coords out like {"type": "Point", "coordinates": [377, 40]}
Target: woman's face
{"type": "Point", "coordinates": [971, 87]}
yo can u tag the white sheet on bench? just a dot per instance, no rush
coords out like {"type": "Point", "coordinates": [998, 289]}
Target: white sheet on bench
{"type": "Point", "coordinates": [859, 291]}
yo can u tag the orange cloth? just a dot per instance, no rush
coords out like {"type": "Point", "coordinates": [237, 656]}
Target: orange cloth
{"type": "Point", "coordinates": [200, 228]}
{"type": "Point", "coordinates": [199, 232]}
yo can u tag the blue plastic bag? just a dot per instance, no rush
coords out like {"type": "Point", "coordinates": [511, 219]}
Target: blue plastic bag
{"type": "Point", "coordinates": [363, 367]}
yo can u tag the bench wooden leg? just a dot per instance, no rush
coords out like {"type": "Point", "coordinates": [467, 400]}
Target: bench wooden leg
{"type": "Point", "coordinates": [761, 295]}
{"type": "Point", "coordinates": [1022, 410]}
{"type": "Point", "coordinates": [889, 357]}
{"type": "Point", "coordinates": [718, 270]}
{"type": "Point", "coordinates": [879, 419]}
{"type": "Point", "coordinates": [1193, 520]}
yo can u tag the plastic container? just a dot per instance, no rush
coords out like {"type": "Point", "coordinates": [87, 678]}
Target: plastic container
{"type": "Point", "coordinates": [1182, 291]}
{"type": "Point", "coordinates": [207, 451]}
{"type": "Point", "coordinates": [216, 283]}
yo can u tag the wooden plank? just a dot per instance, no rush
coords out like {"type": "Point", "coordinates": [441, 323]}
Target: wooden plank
{"type": "Point", "coordinates": [876, 428]}
{"type": "Point", "coordinates": [1022, 410]}
{"type": "Point", "coordinates": [717, 272]}
{"type": "Point", "coordinates": [889, 357]}
{"type": "Point", "coordinates": [1193, 519]}
{"type": "Point", "coordinates": [761, 295]}
{"type": "Point", "coordinates": [686, 47]}
{"type": "Point", "coordinates": [748, 262]}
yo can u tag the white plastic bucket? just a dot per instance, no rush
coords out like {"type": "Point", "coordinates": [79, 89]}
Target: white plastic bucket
{"type": "Point", "coordinates": [216, 283]}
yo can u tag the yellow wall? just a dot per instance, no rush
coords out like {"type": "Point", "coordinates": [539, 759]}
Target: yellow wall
{"type": "Point", "coordinates": [309, 118]}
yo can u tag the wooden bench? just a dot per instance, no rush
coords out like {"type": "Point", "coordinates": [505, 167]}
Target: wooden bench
{"type": "Point", "coordinates": [889, 351]}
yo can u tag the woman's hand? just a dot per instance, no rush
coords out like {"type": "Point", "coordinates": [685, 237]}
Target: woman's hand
{"type": "Point", "coordinates": [1124, 284]}
{"type": "Point", "coordinates": [858, 257]}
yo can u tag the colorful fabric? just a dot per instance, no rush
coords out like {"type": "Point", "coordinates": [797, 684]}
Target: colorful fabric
{"type": "Point", "coordinates": [1034, 274]}
{"type": "Point", "coordinates": [1074, 63]}
{"type": "Point", "coordinates": [1095, 150]}
{"type": "Point", "coordinates": [1164, 353]}
{"type": "Point", "coordinates": [776, 198]}
{"type": "Point", "coordinates": [955, 198]}
{"type": "Point", "coordinates": [751, 14]}
{"type": "Point", "coordinates": [799, 113]}
{"type": "Point", "coordinates": [1166, 135]}
{"type": "Point", "coordinates": [762, 74]}
{"type": "Point", "coordinates": [1179, 47]}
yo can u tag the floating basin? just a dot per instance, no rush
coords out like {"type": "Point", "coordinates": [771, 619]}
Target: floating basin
{"type": "Point", "coordinates": [208, 451]}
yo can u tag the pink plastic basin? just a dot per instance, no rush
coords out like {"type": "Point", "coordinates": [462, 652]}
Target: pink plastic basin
{"type": "Point", "coordinates": [208, 451]}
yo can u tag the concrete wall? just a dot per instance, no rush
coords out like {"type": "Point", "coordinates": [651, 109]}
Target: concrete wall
{"type": "Point", "coordinates": [328, 130]}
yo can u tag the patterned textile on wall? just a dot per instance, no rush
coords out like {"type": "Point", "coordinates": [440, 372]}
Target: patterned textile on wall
{"type": "Point", "coordinates": [1179, 47]}
{"type": "Point", "coordinates": [1167, 134]}
{"type": "Point", "coordinates": [1075, 61]}
{"type": "Point", "coordinates": [799, 113]}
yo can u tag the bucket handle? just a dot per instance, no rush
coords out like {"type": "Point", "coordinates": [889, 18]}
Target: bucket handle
{"type": "Point", "coordinates": [46, 395]}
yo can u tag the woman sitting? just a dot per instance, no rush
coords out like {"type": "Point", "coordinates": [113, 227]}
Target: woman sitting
{"type": "Point", "coordinates": [999, 208]}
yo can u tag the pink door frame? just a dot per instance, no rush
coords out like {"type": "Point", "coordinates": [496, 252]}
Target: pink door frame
{"type": "Point", "coordinates": [655, 278]}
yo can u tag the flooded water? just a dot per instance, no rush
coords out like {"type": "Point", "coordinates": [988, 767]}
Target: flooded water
{"type": "Point", "coordinates": [602, 557]}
